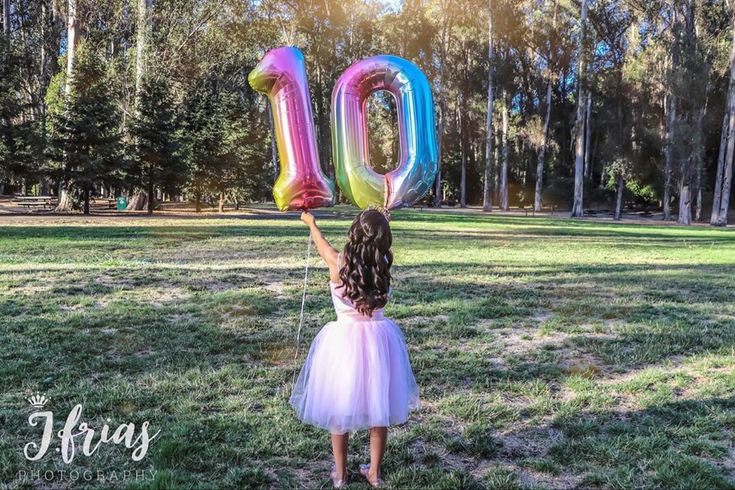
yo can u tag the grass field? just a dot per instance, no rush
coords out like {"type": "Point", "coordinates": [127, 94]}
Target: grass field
{"type": "Point", "coordinates": [550, 353]}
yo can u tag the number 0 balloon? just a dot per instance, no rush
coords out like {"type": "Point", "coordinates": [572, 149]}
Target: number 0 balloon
{"type": "Point", "coordinates": [417, 165]}
{"type": "Point", "coordinates": [281, 75]}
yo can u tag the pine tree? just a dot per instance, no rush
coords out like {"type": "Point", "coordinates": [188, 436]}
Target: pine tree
{"type": "Point", "coordinates": [222, 145]}
{"type": "Point", "coordinates": [154, 131]}
{"type": "Point", "coordinates": [20, 142]}
{"type": "Point", "coordinates": [87, 136]}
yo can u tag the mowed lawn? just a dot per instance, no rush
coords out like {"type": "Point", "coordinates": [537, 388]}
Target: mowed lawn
{"type": "Point", "coordinates": [550, 353]}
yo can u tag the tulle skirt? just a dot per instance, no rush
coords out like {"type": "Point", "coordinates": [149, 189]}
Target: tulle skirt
{"type": "Point", "coordinates": [357, 375]}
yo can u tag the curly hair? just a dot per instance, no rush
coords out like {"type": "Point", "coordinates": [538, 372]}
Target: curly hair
{"type": "Point", "coordinates": [366, 262]}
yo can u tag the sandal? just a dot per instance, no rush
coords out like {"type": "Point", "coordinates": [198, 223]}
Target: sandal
{"type": "Point", "coordinates": [365, 471]}
{"type": "Point", "coordinates": [337, 482]}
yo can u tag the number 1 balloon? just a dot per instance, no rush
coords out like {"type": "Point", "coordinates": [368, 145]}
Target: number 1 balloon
{"type": "Point", "coordinates": [281, 75]}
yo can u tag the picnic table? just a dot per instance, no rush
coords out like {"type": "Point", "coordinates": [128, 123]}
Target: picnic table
{"type": "Point", "coordinates": [99, 201]}
{"type": "Point", "coordinates": [35, 201]}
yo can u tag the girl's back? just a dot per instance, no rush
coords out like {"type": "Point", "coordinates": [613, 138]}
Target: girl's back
{"type": "Point", "coordinates": [357, 374]}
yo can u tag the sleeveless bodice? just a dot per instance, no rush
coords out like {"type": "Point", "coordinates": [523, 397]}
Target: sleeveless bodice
{"type": "Point", "coordinates": [345, 309]}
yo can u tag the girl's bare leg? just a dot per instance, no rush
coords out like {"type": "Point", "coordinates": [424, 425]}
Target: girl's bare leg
{"type": "Point", "coordinates": [339, 448]}
{"type": "Point", "coordinates": [378, 441]}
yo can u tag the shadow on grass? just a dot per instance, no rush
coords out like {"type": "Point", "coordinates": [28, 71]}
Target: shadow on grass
{"type": "Point", "coordinates": [678, 445]}
{"type": "Point", "coordinates": [209, 357]}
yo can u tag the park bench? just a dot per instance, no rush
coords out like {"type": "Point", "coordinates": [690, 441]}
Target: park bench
{"type": "Point", "coordinates": [35, 201]}
{"type": "Point", "coordinates": [104, 202]}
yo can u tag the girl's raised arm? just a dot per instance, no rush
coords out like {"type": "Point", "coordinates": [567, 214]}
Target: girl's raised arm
{"type": "Point", "coordinates": [328, 253]}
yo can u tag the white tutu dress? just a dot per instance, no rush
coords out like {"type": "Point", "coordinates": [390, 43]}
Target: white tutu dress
{"type": "Point", "coordinates": [357, 374]}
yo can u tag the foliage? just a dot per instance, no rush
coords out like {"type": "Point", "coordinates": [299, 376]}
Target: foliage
{"type": "Point", "coordinates": [153, 130]}
{"type": "Point", "coordinates": [86, 137]}
{"type": "Point", "coordinates": [640, 57]}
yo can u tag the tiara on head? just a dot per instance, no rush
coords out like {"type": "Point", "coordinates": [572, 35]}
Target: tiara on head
{"type": "Point", "coordinates": [382, 210]}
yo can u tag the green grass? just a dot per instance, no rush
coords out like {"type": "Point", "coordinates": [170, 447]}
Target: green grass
{"type": "Point", "coordinates": [550, 353]}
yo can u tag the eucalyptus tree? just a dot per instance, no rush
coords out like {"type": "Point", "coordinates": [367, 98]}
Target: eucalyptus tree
{"type": "Point", "coordinates": [723, 178]}
{"type": "Point", "coordinates": [580, 120]}
{"type": "Point", "coordinates": [487, 204]}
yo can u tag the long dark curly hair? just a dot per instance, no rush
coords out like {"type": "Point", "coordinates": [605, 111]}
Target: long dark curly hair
{"type": "Point", "coordinates": [366, 261]}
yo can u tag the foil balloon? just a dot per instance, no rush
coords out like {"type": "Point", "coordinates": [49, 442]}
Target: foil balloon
{"type": "Point", "coordinates": [418, 155]}
{"type": "Point", "coordinates": [301, 184]}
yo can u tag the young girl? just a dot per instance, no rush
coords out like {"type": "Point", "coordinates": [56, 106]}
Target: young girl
{"type": "Point", "coordinates": [357, 373]}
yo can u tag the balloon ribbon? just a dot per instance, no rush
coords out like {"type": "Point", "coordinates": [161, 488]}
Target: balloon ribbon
{"type": "Point", "coordinates": [303, 301]}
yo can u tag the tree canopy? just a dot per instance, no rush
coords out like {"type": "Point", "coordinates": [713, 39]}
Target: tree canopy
{"type": "Point", "coordinates": [631, 100]}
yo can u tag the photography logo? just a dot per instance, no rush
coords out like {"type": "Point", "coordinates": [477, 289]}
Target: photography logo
{"type": "Point", "coordinates": [38, 401]}
{"type": "Point", "coordinates": [80, 436]}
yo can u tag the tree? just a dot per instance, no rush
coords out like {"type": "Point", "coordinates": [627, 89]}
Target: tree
{"type": "Point", "coordinates": [579, 127]}
{"type": "Point", "coordinates": [143, 198]}
{"type": "Point", "coordinates": [723, 179]}
{"type": "Point", "coordinates": [87, 132]}
{"type": "Point", "coordinates": [541, 156]}
{"type": "Point", "coordinates": [655, 97]}
{"type": "Point", "coordinates": [487, 204]}
{"type": "Point", "coordinates": [445, 11]}
{"type": "Point", "coordinates": [504, 195]}
{"type": "Point", "coordinates": [154, 132]}
{"type": "Point", "coordinates": [66, 203]}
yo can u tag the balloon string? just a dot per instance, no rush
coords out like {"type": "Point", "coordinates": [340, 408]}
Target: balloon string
{"type": "Point", "coordinates": [303, 302]}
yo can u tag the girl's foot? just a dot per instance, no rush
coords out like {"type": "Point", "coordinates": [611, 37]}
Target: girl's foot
{"type": "Point", "coordinates": [337, 482]}
{"type": "Point", "coordinates": [373, 481]}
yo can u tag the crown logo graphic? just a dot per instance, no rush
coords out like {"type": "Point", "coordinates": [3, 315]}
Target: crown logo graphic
{"type": "Point", "coordinates": [38, 400]}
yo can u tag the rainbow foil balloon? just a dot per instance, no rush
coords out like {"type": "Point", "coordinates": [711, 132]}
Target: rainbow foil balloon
{"type": "Point", "coordinates": [281, 75]}
{"type": "Point", "coordinates": [417, 165]}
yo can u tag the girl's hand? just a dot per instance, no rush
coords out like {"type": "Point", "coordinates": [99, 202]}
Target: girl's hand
{"type": "Point", "coordinates": [308, 218]}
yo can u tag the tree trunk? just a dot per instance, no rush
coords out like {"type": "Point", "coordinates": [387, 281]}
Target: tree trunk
{"type": "Point", "coordinates": [698, 156]}
{"type": "Point", "coordinates": [588, 137]}
{"type": "Point", "coordinates": [138, 202]}
{"type": "Point", "coordinates": [698, 206]}
{"type": "Point", "coordinates": [463, 157]}
{"type": "Point", "coordinates": [72, 28]}
{"type": "Point", "coordinates": [687, 164]}
{"type": "Point", "coordinates": [274, 150]}
{"type": "Point", "coordinates": [504, 198]}
{"type": "Point", "coordinates": [724, 177]}
{"type": "Point", "coordinates": [221, 204]}
{"type": "Point", "coordinates": [671, 116]}
{"type": "Point", "coordinates": [496, 165]}
{"type": "Point", "coordinates": [578, 206]}
{"type": "Point", "coordinates": [86, 200]}
{"type": "Point", "coordinates": [727, 174]}
{"type": "Point", "coordinates": [685, 204]}
{"type": "Point", "coordinates": [141, 28]}
{"type": "Point", "coordinates": [541, 157]}
{"type": "Point", "coordinates": [487, 203]}
{"type": "Point", "coordinates": [669, 155]}
{"type": "Point", "coordinates": [65, 203]}
{"type": "Point", "coordinates": [6, 23]}
{"type": "Point", "coordinates": [717, 193]}
{"type": "Point", "coordinates": [619, 198]}
{"type": "Point", "coordinates": [541, 160]}
{"type": "Point", "coordinates": [438, 183]}
{"type": "Point", "coordinates": [442, 104]}
{"type": "Point", "coordinates": [150, 199]}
